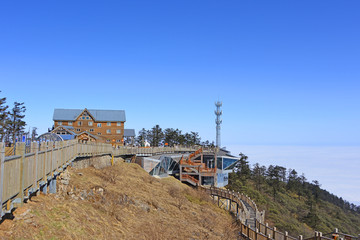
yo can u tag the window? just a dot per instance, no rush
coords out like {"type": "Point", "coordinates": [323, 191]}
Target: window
{"type": "Point", "coordinates": [118, 140]}
{"type": "Point", "coordinates": [99, 124]}
{"type": "Point", "coordinates": [90, 123]}
{"type": "Point", "coordinates": [83, 118]}
{"type": "Point", "coordinates": [79, 123]}
{"type": "Point", "coordinates": [99, 133]}
{"type": "Point", "coordinates": [78, 129]}
{"type": "Point", "coordinates": [108, 131]}
{"type": "Point", "coordinates": [91, 130]}
{"type": "Point", "coordinates": [108, 140]}
{"type": "Point", "coordinates": [87, 118]}
{"type": "Point", "coordinates": [60, 123]}
{"type": "Point", "coordinates": [108, 123]}
{"type": "Point", "coordinates": [118, 124]}
{"type": "Point", "coordinates": [118, 131]}
{"type": "Point", "coordinates": [70, 123]}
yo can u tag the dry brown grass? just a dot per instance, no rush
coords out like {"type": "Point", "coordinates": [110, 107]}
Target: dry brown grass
{"type": "Point", "coordinates": [132, 205]}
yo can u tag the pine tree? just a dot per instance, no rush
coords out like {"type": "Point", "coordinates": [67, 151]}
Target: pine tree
{"type": "Point", "coordinates": [16, 124]}
{"type": "Point", "coordinates": [34, 133]}
{"type": "Point", "coordinates": [3, 117]}
{"type": "Point", "coordinates": [155, 135]}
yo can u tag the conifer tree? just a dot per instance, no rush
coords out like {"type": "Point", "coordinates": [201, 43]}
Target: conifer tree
{"type": "Point", "coordinates": [16, 124]}
{"type": "Point", "coordinates": [3, 117]}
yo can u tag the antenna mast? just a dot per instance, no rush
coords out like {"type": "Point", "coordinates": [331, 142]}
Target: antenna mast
{"type": "Point", "coordinates": [218, 121]}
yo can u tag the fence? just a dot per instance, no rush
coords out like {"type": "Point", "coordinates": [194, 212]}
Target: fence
{"type": "Point", "coordinates": [262, 231]}
{"type": "Point", "coordinates": [36, 166]}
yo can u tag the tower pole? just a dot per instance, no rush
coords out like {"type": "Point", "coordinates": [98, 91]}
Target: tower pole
{"type": "Point", "coordinates": [218, 121]}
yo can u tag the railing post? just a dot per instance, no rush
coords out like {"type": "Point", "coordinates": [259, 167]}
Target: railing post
{"type": "Point", "coordinates": [21, 150]}
{"type": "Point", "coordinates": [266, 228]}
{"type": "Point", "coordinates": [286, 235]}
{"type": "Point", "coordinates": [2, 161]}
{"type": "Point", "coordinates": [35, 149]}
{"type": "Point", "coordinates": [274, 232]}
{"type": "Point", "coordinates": [300, 237]}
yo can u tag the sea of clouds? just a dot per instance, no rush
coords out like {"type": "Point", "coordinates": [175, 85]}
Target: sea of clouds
{"type": "Point", "coordinates": [337, 168]}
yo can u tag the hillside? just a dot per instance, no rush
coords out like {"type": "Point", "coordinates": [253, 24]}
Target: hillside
{"type": "Point", "coordinates": [291, 203]}
{"type": "Point", "coordinates": [119, 202]}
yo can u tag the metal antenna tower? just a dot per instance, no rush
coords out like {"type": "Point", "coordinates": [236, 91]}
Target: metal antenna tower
{"type": "Point", "coordinates": [218, 121]}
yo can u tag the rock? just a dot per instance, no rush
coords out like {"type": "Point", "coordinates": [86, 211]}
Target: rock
{"type": "Point", "coordinates": [83, 195]}
{"type": "Point", "coordinates": [28, 221]}
{"type": "Point", "coordinates": [142, 205]}
{"type": "Point", "coordinates": [24, 213]}
{"type": "Point", "coordinates": [100, 191]}
{"type": "Point", "coordinates": [65, 182]}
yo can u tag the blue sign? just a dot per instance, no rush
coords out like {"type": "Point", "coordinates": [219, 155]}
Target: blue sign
{"type": "Point", "coordinates": [23, 138]}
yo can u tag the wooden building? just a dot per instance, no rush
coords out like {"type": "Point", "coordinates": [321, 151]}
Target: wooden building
{"type": "Point", "coordinates": [90, 124]}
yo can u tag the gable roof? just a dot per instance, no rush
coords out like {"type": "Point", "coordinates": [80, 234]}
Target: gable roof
{"type": "Point", "coordinates": [61, 114]}
{"type": "Point", "coordinates": [129, 132]}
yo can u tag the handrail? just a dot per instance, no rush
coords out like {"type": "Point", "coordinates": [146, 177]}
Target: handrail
{"type": "Point", "coordinates": [261, 230]}
{"type": "Point", "coordinates": [33, 166]}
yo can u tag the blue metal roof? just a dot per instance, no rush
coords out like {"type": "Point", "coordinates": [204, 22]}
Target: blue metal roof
{"type": "Point", "coordinates": [99, 115]}
{"type": "Point", "coordinates": [129, 132]}
{"type": "Point", "coordinates": [67, 136]}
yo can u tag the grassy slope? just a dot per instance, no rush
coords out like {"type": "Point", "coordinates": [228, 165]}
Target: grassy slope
{"type": "Point", "coordinates": [133, 205]}
{"type": "Point", "coordinates": [288, 211]}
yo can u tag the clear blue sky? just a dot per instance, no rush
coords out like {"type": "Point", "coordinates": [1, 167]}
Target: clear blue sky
{"type": "Point", "coordinates": [287, 71]}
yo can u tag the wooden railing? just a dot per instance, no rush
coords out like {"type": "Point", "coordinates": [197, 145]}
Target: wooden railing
{"type": "Point", "coordinates": [262, 231]}
{"type": "Point", "coordinates": [33, 166]}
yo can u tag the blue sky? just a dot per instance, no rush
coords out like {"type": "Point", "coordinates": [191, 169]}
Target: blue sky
{"type": "Point", "coordinates": [287, 71]}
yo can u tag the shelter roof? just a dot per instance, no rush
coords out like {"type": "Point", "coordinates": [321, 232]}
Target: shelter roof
{"type": "Point", "coordinates": [129, 132]}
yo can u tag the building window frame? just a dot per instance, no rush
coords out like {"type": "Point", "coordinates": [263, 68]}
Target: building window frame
{"type": "Point", "coordinates": [90, 123]}
{"type": "Point", "coordinates": [70, 123]}
{"type": "Point", "coordinates": [99, 125]}
{"type": "Point", "coordinates": [108, 124]}
{"type": "Point", "coordinates": [108, 131]}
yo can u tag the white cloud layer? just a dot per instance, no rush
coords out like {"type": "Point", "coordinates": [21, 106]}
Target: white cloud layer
{"type": "Point", "coordinates": [337, 168]}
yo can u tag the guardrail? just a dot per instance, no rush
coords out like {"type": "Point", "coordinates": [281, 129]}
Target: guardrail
{"type": "Point", "coordinates": [36, 166]}
{"type": "Point", "coordinates": [262, 231]}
